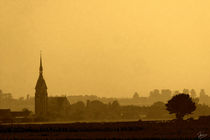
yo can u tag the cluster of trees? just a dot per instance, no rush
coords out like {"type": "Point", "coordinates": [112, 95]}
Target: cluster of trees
{"type": "Point", "coordinates": [97, 111]}
{"type": "Point", "coordinates": [180, 106]}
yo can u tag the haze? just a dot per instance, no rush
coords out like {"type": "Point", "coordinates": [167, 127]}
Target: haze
{"type": "Point", "coordinates": [108, 48]}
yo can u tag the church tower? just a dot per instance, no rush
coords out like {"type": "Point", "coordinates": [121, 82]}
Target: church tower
{"type": "Point", "coordinates": [41, 94]}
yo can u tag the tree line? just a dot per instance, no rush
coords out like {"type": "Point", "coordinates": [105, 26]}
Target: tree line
{"type": "Point", "coordinates": [180, 106]}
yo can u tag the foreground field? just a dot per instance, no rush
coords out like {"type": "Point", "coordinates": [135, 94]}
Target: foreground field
{"type": "Point", "coordinates": [192, 129]}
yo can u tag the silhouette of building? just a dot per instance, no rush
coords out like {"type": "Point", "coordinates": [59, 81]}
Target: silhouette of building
{"type": "Point", "coordinates": [13, 116]}
{"type": "Point", "coordinates": [41, 94]}
{"type": "Point", "coordinates": [58, 107]}
{"type": "Point", "coordinates": [5, 115]}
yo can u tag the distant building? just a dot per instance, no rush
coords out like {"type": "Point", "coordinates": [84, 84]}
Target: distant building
{"type": "Point", "coordinates": [165, 95]}
{"type": "Point", "coordinates": [192, 93]}
{"type": "Point", "coordinates": [4, 96]}
{"type": "Point", "coordinates": [136, 95]}
{"type": "Point", "coordinates": [204, 98]}
{"type": "Point", "coordinates": [5, 115]}
{"type": "Point", "coordinates": [41, 94]}
{"type": "Point", "coordinates": [13, 116]}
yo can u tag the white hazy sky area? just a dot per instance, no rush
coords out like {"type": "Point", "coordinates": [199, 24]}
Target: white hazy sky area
{"type": "Point", "coordinates": [108, 48]}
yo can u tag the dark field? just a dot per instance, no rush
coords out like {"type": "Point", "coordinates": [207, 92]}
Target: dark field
{"type": "Point", "coordinates": [192, 129]}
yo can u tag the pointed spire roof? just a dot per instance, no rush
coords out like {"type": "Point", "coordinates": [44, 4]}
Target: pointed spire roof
{"type": "Point", "coordinates": [41, 82]}
{"type": "Point", "coordinates": [41, 67]}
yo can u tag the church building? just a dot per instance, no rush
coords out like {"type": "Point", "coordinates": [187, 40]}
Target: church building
{"type": "Point", "coordinates": [48, 107]}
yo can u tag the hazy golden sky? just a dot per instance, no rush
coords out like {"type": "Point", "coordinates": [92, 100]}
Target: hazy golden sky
{"type": "Point", "coordinates": [108, 48]}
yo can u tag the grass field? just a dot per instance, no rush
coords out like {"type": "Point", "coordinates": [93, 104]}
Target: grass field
{"type": "Point", "coordinates": [192, 129]}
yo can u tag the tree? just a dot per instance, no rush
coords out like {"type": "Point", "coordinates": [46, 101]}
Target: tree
{"type": "Point", "coordinates": [115, 104]}
{"type": "Point", "coordinates": [157, 111]}
{"type": "Point", "coordinates": [76, 111]}
{"type": "Point", "coordinates": [181, 105]}
{"type": "Point", "coordinates": [96, 110]}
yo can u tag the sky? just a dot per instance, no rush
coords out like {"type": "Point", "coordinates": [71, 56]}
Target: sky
{"type": "Point", "coordinates": [108, 48]}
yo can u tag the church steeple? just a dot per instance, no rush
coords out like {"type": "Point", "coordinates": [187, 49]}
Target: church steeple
{"type": "Point", "coordinates": [41, 68]}
{"type": "Point", "coordinates": [41, 94]}
{"type": "Point", "coordinates": [41, 82]}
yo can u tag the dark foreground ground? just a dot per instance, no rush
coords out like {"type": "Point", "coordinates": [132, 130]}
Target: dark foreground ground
{"type": "Point", "coordinates": [193, 129]}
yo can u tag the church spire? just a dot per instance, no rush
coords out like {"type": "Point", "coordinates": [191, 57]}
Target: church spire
{"type": "Point", "coordinates": [41, 94]}
{"type": "Point", "coordinates": [40, 68]}
{"type": "Point", "coordinates": [41, 82]}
